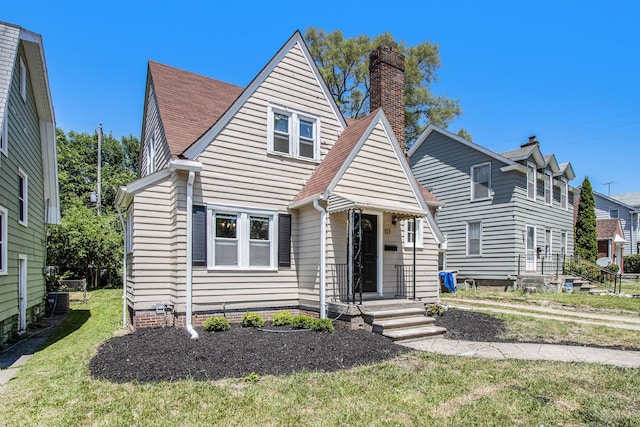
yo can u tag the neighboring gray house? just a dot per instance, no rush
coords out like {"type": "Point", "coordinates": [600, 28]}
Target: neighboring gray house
{"type": "Point", "coordinates": [621, 207]}
{"type": "Point", "coordinates": [505, 214]}
{"type": "Point", "coordinates": [28, 177]}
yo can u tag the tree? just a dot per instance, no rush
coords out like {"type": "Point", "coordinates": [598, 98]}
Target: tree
{"type": "Point", "coordinates": [86, 245]}
{"type": "Point", "coordinates": [586, 233]}
{"type": "Point", "coordinates": [344, 65]}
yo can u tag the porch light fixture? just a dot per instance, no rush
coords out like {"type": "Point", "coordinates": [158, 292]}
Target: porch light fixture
{"type": "Point", "coordinates": [394, 220]}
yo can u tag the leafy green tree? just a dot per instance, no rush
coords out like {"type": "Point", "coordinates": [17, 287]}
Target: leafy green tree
{"type": "Point", "coordinates": [86, 245]}
{"type": "Point", "coordinates": [344, 65]}
{"type": "Point", "coordinates": [586, 233]}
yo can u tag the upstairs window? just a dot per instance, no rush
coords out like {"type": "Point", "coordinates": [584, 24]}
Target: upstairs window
{"type": "Point", "coordinates": [23, 193]}
{"type": "Point", "coordinates": [564, 194]}
{"type": "Point", "coordinates": [548, 189]}
{"type": "Point", "coordinates": [294, 134]}
{"type": "Point", "coordinates": [151, 155]}
{"type": "Point", "coordinates": [3, 241]}
{"type": "Point", "coordinates": [23, 80]}
{"type": "Point", "coordinates": [531, 182]}
{"type": "Point", "coordinates": [480, 181]}
{"type": "Point", "coordinates": [614, 213]}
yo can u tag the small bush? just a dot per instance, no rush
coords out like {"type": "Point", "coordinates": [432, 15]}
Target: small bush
{"type": "Point", "coordinates": [613, 267]}
{"type": "Point", "coordinates": [302, 321]}
{"type": "Point", "coordinates": [252, 320]}
{"type": "Point", "coordinates": [436, 309]}
{"type": "Point", "coordinates": [282, 318]}
{"type": "Point", "coordinates": [252, 378]}
{"type": "Point", "coordinates": [216, 324]}
{"type": "Point", "coordinates": [632, 264]}
{"type": "Point", "coordinates": [322, 325]}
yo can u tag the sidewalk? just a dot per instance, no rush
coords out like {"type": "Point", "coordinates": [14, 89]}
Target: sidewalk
{"type": "Point", "coordinates": [526, 351]}
{"type": "Point", "coordinates": [16, 355]}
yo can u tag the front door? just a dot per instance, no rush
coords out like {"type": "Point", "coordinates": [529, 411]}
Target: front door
{"type": "Point", "coordinates": [369, 253]}
{"type": "Point", "coordinates": [531, 249]}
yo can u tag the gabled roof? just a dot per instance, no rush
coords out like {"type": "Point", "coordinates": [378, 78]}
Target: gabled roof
{"type": "Point", "coordinates": [295, 40]}
{"type": "Point", "coordinates": [188, 103]}
{"type": "Point", "coordinates": [609, 229]}
{"type": "Point", "coordinates": [10, 38]}
{"type": "Point", "coordinates": [567, 170]}
{"type": "Point", "coordinates": [614, 200]}
{"type": "Point", "coordinates": [552, 163]}
{"type": "Point", "coordinates": [525, 153]}
{"type": "Point", "coordinates": [630, 199]}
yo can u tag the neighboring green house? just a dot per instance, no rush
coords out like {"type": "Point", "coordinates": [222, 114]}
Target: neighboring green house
{"type": "Point", "coordinates": [28, 177]}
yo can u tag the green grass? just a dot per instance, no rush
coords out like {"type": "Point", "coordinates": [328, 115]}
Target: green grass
{"type": "Point", "coordinates": [55, 388]}
{"type": "Point", "coordinates": [575, 299]}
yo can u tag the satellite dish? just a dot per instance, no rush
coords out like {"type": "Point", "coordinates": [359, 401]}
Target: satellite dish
{"type": "Point", "coordinates": [603, 262]}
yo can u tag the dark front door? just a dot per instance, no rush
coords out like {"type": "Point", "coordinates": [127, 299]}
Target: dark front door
{"type": "Point", "coordinates": [369, 253]}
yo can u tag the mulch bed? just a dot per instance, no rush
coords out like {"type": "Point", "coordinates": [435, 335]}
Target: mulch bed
{"type": "Point", "coordinates": [168, 354]}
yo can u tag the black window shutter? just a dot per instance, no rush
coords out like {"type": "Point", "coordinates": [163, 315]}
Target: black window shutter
{"type": "Point", "coordinates": [199, 236]}
{"type": "Point", "coordinates": [284, 240]}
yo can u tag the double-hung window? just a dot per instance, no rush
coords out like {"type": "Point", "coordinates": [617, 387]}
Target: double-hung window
{"type": "Point", "coordinates": [3, 240]}
{"type": "Point", "coordinates": [23, 193]}
{"type": "Point", "coordinates": [474, 238]}
{"type": "Point", "coordinates": [564, 194]}
{"type": "Point", "coordinates": [293, 133]}
{"type": "Point", "coordinates": [242, 238]}
{"type": "Point", "coordinates": [410, 234]}
{"type": "Point", "coordinates": [481, 181]}
{"type": "Point", "coordinates": [531, 182]}
{"type": "Point", "coordinates": [548, 189]}
{"type": "Point", "coordinates": [614, 213]}
{"type": "Point", "coordinates": [151, 155]}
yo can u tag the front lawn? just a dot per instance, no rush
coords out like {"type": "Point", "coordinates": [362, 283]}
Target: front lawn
{"type": "Point", "coordinates": [55, 388]}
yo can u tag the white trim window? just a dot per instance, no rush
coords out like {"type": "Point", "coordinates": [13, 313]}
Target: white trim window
{"type": "Point", "coordinates": [151, 155]}
{"type": "Point", "coordinates": [242, 238]}
{"type": "Point", "coordinates": [614, 213]}
{"type": "Point", "coordinates": [474, 238]}
{"type": "Point", "coordinates": [4, 220]}
{"type": "Point", "coordinates": [481, 181]}
{"type": "Point", "coordinates": [531, 182]}
{"type": "Point", "coordinates": [293, 133]}
{"type": "Point", "coordinates": [23, 80]}
{"type": "Point", "coordinates": [23, 197]}
{"type": "Point", "coordinates": [564, 194]}
{"type": "Point", "coordinates": [409, 233]}
{"type": "Point", "coordinates": [548, 244]}
{"type": "Point", "coordinates": [548, 189]}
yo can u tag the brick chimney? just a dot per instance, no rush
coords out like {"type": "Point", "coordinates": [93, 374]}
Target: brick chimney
{"type": "Point", "coordinates": [386, 78]}
{"type": "Point", "coordinates": [532, 141]}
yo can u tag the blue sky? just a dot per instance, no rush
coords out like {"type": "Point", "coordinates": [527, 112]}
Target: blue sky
{"type": "Point", "coordinates": [565, 71]}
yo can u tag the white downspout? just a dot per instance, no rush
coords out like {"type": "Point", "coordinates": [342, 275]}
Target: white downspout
{"type": "Point", "coordinates": [124, 268]}
{"type": "Point", "coordinates": [189, 268]}
{"type": "Point", "coordinates": [323, 259]}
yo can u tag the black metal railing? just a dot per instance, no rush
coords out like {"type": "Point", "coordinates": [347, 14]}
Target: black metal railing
{"type": "Point", "coordinates": [404, 281]}
{"type": "Point", "coordinates": [340, 280]}
{"type": "Point", "coordinates": [553, 264]}
{"type": "Point", "coordinates": [607, 278]}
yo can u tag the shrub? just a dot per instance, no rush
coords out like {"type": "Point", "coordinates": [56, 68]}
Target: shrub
{"type": "Point", "coordinates": [282, 318]}
{"type": "Point", "coordinates": [322, 325]}
{"type": "Point", "coordinates": [436, 309]}
{"type": "Point", "coordinates": [632, 264]}
{"type": "Point", "coordinates": [302, 321]}
{"type": "Point", "coordinates": [613, 267]}
{"type": "Point", "coordinates": [252, 320]}
{"type": "Point", "coordinates": [216, 324]}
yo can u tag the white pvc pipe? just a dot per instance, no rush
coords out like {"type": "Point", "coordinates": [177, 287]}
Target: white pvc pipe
{"type": "Point", "coordinates": [189, 278]}
{"type": "Point", "coordinates": [323, 259]}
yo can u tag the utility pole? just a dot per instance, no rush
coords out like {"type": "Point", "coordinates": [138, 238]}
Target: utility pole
{"type": "Point", "coordinates": [99, 200]}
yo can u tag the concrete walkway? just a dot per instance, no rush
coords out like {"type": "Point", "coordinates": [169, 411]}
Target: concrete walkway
{"type": "Point", "coordinates": [526, 351]}
{"type": "Point", "coordinates": [16, 355]}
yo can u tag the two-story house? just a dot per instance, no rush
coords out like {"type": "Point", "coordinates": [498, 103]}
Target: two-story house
{"type": "Point", "coordinates": [265, 198]}
{"type": "Point", "coordinates": [631, 228]}
{"type": "Point", "coordinates": [504, 215]}
{"type": "Point", "coordinates": [28, 177]}
{"type": "Point", "coordinates": [617, 228]}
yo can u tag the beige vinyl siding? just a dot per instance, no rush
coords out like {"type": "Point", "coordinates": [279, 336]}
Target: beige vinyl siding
{"type": "Point", "coordinates": [376, 173]}
{"type": "Point", "coordinates": [152, 127]}
{"type": "Point", "coordinates": [238, 171]}
{"type": "Point", "coordinates": [152, 265]}
{"type": "Point", "coordinates": [307, 250]}
{"type": "Point", "coordinates": [24, 154]}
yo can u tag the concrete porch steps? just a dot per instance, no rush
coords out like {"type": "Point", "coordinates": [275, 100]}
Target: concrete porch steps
{"type": "Point", "coordinates": [403, 324]}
